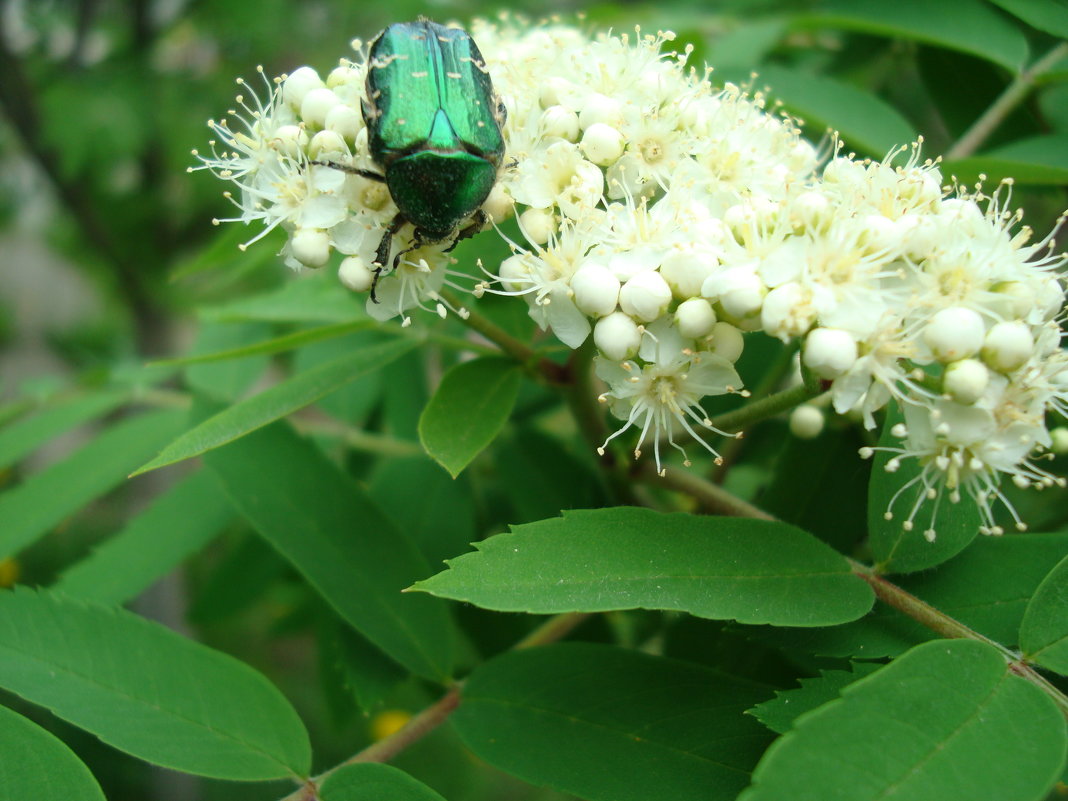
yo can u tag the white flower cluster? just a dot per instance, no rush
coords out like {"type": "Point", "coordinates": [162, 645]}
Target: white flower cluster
{"type": "Point", "coordinates": [665, 218]}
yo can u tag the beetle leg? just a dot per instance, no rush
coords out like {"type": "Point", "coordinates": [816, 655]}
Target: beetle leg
{"type": "Point", "coordinates": [373, 176]}
{"type": "Point", "coordinates": [382, 254]}
{"type": "Point", "coordinates": [478, 222]}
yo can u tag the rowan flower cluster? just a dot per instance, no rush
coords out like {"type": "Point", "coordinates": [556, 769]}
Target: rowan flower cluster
{"type": "Point", "coordinates": [667, 219]}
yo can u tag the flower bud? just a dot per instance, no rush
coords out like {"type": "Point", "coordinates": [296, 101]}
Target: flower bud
{"type": "Point", "coordinates": [317, 104]}
{"type": "Point", "coordinates": [342, 75]}
{"type": "Point", "coordinates": [739, 290]}
{"type": "Point", "coordinates": [601, 108]}
{"type": "Point", "coordinates": [645, 296]}
{"type": "Point", "coordinates": [880, 233]}
{"type": "Point", "coordinates": [356, 274]}
{"type": "Point", "coordinates": [966, 381]}
{"type": "Point", "coordinates": [954, 333]}
{"type": "Point", "coordinates": [514, 274]}
{"type": "Point", "coordinates": [617, 336]}
{"type": "Point", "coordinates": [553, 90]}
{"type": "Point", "coordinates": [695, 318]}
{"type": "Point", "coordinates": [811, 209]}
{"type": "Point", "coordinates": [602, 144]}
{"type": "Point", "coordinates": [829, 352]}
{"type": "Point", "coordinates": [918, 235]}
{"type": "Point", "coordinates": [499, 205]}
{"type": "Point", "coordinates": [787, 311]}
{"type": "Point", "coordinates": [1012, 299]}
{"type": "Point", "coordinates": [842, 170]}
{"type": "Point", "coordinates": [290, 140]}
{"type": "Point", "coordinates": [345, 121]}
{"type": "Point", "coordinates": [537, 225]}
{"type": "Point", "coordinates": [297, 85]}
{"type": "Point", "coordinates": [686, 270]}
{"type": "Point", "coordinates": [806, 421]}
{"type": "Point", "coordinates": [560, 121]}
{"type": "Point", "coordinates": [310, 246]}
{"type": "Point", "coordinates": [596, 290]}
{"type": "Point", "coordinates": [1059, 435]}
{"type": "Point", "coordinates": [327, 143]}
{"type": "Point", "coordinates": [726, 341]}
{"type": "Point", "coordinates": [1008, 346]}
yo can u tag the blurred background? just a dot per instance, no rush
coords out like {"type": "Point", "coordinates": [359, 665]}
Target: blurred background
{"type": "Point", "coordinates": [107, 252]}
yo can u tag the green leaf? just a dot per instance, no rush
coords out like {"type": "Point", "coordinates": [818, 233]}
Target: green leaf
{"type": "Point", "coordinates": [946, 720]}
{"type": "Point", "coordinates": [373, 782]}
{"type": "Point", "coordinates": [612, 725]}
{"type": "Point", "coordinates": [895, 549]}
{"type": "Point", "coordinates": [151, 544]}
{"type": "Point", "coordinates": [357, 667]}
{"type": "Point", "coordinates": [821, 486]}
{"type": "Point", "coordinates": [25, 436]}
{"type": "Point", "coordinates": [315, 298]}
{"type": "Point", "coordinates": [1050, 16]}
{"type": "Point", "coordinates": [780, 712]}
{"type": "Point", "coordinates": [753, 571]}
{"type": "Point", "coordinates": [1037, 160]}
{"type": "Point", "coordinates": [745, 44]}
{"type": "Point", "coordinates": [226, 381]}
{"type": "Point", "coordinates": [334, 534]}
{"type": "Point", "coordinates": [354, 402]}
{"type": "Point", "coordinates": [541, 475]}
{"type": "Point", "coordinates": [144, 689]}
{"type": "Point", "coordinates": [38, 765]}
{"type": "Point", "coordinates": [244, 574]}
{"type": "Point", "coordinates": [442, 523]}
{"type": "Point", "coordinates": [865, 121]}
{"type": "Point", "coordinates": [1044, 631]}
{"type": "Point", "coordinates": [406, 395]}
{"type": "Point", "coordinates": [468, 410]}
{"type": "Point", "coordinates": [282, 344]}
{"type": "Point", "coordinates": [32, 509]}
{"type": "Point", "coordinates": [969, 26]}
{"type": "Point", "coordinates": [272, 404]}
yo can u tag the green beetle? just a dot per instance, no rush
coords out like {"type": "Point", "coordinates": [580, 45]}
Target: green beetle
{"type": "Point", "coordinates": [434, 128]}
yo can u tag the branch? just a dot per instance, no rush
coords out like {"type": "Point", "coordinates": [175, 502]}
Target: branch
{"type": "Point", "coordinates": [19, 105]}
{"type": "Point", "coordinates": [770, 406]}
{"type": "Point", "coordinates": [518, 350]}
{"type": "Point", "coordinates": [1014, 94]}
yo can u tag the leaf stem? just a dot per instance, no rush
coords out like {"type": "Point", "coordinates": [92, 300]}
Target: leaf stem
{"type": "Point", "coordinates": [425, 721]}
{"type": "Point", "coordinates": [946, 626]}
{"type": "Point", "coordinates": [770, 406]}
{"type": "Point", "coordinates": [919, 610]}
{"type": "Point", "coordinates": [1014, 94]}
{"type": "Point", "coordinates": [714, 498]}
{"type": "Point", "coordinates": [518, 350]}
{"type": "Point", "coordinates": [710, 497]}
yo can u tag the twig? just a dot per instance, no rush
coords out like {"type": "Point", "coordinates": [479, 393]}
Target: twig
{"type": "Point", "coordinates": [518, 350]}
{"type": "Point", "coordinates": [1014, 94]}
{"type": "Point", "coordinates": [19, 105]}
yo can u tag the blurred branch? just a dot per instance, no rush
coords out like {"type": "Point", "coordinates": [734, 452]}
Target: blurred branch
{"type": "Point", "coordinates": [86, 13]}
{"type": "Point", "coordinates": [18, 102]}
{"type": "Point", "coordinates": [1014, 94]}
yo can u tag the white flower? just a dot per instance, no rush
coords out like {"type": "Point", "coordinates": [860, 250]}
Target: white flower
{"type": "Point", "coordinates": [663, 397]}
{"type": "Point", "coordinates": [965, 449]}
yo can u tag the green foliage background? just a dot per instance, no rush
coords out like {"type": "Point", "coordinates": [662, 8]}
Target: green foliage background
{"type": "Point", "coordinates": [227, 626]}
